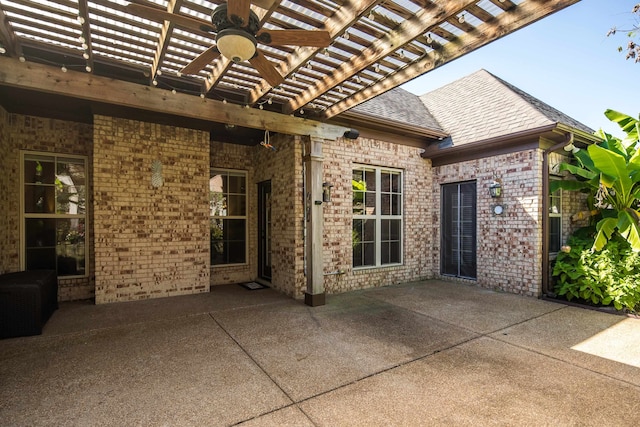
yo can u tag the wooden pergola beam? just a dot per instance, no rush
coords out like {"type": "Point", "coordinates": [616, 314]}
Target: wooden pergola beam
{"type": "Point", "coordinates": [8, 37]}
{"type": "Point", "coordinates": [164, 39]}
{"type": "Point", "coordinates": [85, 25]}
{"type": "Point", "coordinates": [344, 18]}
{"type": "Point", "coordinates": [505, 23]}
{"type": "Point", "coordinates": [48, 79]}
{"type": "Point", "coordinates": [401, 35]}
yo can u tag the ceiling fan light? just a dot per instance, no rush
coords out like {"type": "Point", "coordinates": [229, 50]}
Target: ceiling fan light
{"type": "Point", "coordinates": [236, 45]}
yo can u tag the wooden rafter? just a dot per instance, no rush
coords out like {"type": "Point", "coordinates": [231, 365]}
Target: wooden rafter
{"type": "Point", "coordinates": [8, 38]}
{"type": "Point", "coordinates": [390, 42]}
{"type": "Point", "coordinates": [403, 34]}
{"type": "Point", "coordinates": [83, 16]}
{"type": "Point", "coordinates": [502, 25]}
{"type": "Point", "coordinates": [351, 11]}
{"type": "Point", "coordinates": [165, 38]}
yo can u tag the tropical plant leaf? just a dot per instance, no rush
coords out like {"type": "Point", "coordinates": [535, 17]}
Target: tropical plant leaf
{"type": "Point", "coordinates": [605, 228]}
{"type": "Point", "coordinates": [628, 124]}
{"type": "Point", "coordinates": [614, 166]}
{"type": "Point", "coordinates": [577, 170]}
{"type": "Point", "coordinates": [629, 227]}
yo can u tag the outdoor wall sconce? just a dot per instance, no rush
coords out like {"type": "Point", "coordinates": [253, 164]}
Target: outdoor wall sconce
{"type": "Point", "coordinates": [495, 189]}
{"type": "Point", "coordinates": [326, 192]}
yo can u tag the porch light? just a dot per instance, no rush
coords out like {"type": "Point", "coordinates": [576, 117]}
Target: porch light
{"type": "Point", "coordinates": [495, 189]}
{"type": "Point", "coordinates": [236, 45]}
{"type": "Point", "coordinates": [326, 191]}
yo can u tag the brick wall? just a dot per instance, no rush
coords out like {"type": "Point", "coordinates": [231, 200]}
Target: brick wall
{"type": "Point", "coordinates": [283, 167]}
{"type": "Point", "coordinates": [149, 242]}
{"type": "Point", "coordinates": [509, 253]}
{"type": "Point", "coordinates": [340, 157]}
{"type": "Point", "coordinates": [7, 250]}
{"type": "Point", "coordinates": [41, 135]}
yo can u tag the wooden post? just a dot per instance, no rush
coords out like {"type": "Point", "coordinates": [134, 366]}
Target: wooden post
{"type": "Point", "coordinates": [315, 294]}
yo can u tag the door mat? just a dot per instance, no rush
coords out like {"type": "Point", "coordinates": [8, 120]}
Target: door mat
{"type": "Point", "coordinates": [252, 286]}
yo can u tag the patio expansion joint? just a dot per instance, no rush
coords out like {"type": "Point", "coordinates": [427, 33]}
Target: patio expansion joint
{"type": "Point", "coordinates": [293, 402]}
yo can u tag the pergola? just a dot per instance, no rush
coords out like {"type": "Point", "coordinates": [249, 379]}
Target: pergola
{"type": "Point", "coordinates": [106, 52]}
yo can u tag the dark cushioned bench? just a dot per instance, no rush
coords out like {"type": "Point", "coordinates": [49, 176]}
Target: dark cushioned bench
{"type": "Point", "coordinates": [27, 300]}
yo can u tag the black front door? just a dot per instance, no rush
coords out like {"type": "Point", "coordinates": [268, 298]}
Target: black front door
{"type": "Point", "coordinates": [458, 234]}
{"type": "Point", "coordinates": [264, 230]}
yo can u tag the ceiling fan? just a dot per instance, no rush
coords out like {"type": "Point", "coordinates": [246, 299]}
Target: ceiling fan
{"type": "Point", "coordinates": [238, 33]}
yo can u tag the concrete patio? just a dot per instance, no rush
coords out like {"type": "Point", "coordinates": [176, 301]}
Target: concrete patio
{"type": "Point", "coordinates": [426, 353]}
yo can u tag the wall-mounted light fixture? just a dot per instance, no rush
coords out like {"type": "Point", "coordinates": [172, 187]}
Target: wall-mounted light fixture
{"type": "Point", "coordinates": [495, 189]}
{"type": "Point", "coordinates": [326, 191]}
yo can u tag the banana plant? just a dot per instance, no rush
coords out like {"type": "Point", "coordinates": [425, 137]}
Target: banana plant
{"type": "Point", "coordinates": [610, 173]}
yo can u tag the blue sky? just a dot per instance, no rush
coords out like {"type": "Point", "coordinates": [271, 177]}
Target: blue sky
{"type": "Point", "coordinates": [565, 60]}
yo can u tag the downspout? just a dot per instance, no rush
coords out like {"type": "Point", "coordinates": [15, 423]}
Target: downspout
{"type": "Point", "coordinates": [545, 212]}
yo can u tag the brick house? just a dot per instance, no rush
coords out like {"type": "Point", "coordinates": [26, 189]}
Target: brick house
{"type": "Point", "coordinates": [148, 207]}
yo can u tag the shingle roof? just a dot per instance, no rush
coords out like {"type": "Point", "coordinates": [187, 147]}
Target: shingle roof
{"type": "Point", "coordinates": [401, 106]}
{"type": "Point", "coordinates": [481, 106]}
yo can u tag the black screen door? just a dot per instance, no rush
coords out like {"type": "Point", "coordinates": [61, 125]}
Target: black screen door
{"type": "Point", "coordinates": [458, 234]}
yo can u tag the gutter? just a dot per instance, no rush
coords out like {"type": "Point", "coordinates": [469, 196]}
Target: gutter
{"type": "Point", "coordinates": [381, 123]}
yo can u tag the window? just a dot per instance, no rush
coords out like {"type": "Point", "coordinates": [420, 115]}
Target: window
{"type": "Point", "coordinates": [458, 233]}
{"type": "Point", "coordinates": [54, 213]}
{"type": "Point", "coordinates": [555, 221]}
{"type": "Point", "coordinates": [228, 216]}
{"type": "Point", "coordinates": [377, 217]}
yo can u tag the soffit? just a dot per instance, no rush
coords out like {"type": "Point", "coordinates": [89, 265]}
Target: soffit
{"type": "Point", "coordinates": [376, 45]}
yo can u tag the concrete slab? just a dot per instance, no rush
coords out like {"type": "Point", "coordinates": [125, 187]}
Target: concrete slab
{"type": "Point", "coordinates": [308, 351]}
{"type": "Point", "coordinates": [481, 382]}
{"type": "Point", "coordinates": [227, 297]}
{"type": "Point", "coordinates": [429, 353]}
{"type": "Point", "coordinates": [476, 309]}
{"type": "Point", "coordinates": [597, 341]}
{"type": "Point", "coordinates": [180, 372]}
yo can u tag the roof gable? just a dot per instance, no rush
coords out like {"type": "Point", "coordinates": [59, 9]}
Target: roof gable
{"type": "Point", "coordinates": [482, 106]}
{"type": "Point", "coordinates": [399, 106]}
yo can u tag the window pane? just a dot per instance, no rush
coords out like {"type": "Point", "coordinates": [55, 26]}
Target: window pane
{"type": "Point", "coordinates": [370, 180]}
{"type": "Point", "coordinates": [394, 229]}
{"type": "Point", "coordinates": [39, 198]}
{"type": "Point", "coordinates": [39, 170]}
{"type": "Point", "coordinates": [236, 253]}
{"type": "Point", "coordinates": [369, 254]}
{"type": "Point", "coordinates": [394, 252]}
{"type": "Point", "coordinates": [234, 229]}
{"type": "Point", "coordinates": [370, 203]}
{"type": "Point", "coordinates": [385, 201]}
{"type": "Point", "coordinates": [396, 204]}
{"type": "Point", "coordinates": [40, 232]}
{"type": "Point", "coordinates": [395, 183]}
{"type": "Point", "coordinates": [236, 184]}
{"type": "Point", "coordinates": [41, 258]}
{"type": "Point", "coordinates": [385, 182]}
{"type": "Point", "coordinates": [70, 246]}
{"type": "Point", "coordinates": [555, 236]}
{"type": "Point", "coordinates": [369, 227]}
{"type": "Point", "coordinates": [237, 205]}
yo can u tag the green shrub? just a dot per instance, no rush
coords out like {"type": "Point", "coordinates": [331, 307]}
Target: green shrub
{"type": "Point", "coordinates": [609, 276]}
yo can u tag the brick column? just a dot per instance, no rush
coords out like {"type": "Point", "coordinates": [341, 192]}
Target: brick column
{"type": "Point", "coordinates": [315, 294]}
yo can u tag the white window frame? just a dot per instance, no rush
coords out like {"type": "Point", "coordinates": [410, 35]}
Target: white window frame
{"type": "Point", "coordinates": [558, 196]}
{"type": "Point", "coordinates": [244, 217]}
{"type": "Point", "coordinates": [378, 216]}
{"type": "Point", "coordinates": [26, 155]}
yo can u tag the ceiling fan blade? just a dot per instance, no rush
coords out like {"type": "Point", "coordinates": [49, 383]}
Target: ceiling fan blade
{"type": "Point", "coordinates": [201, 61]}
{"type": "Point", "coordinates": [154, 14]}
{"type": "Point", "coordinates": [314, 38]}
{"type": "Point", "coordinates": [240, 9]}
{"type": "Point", "coordinates": [266, 69]}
